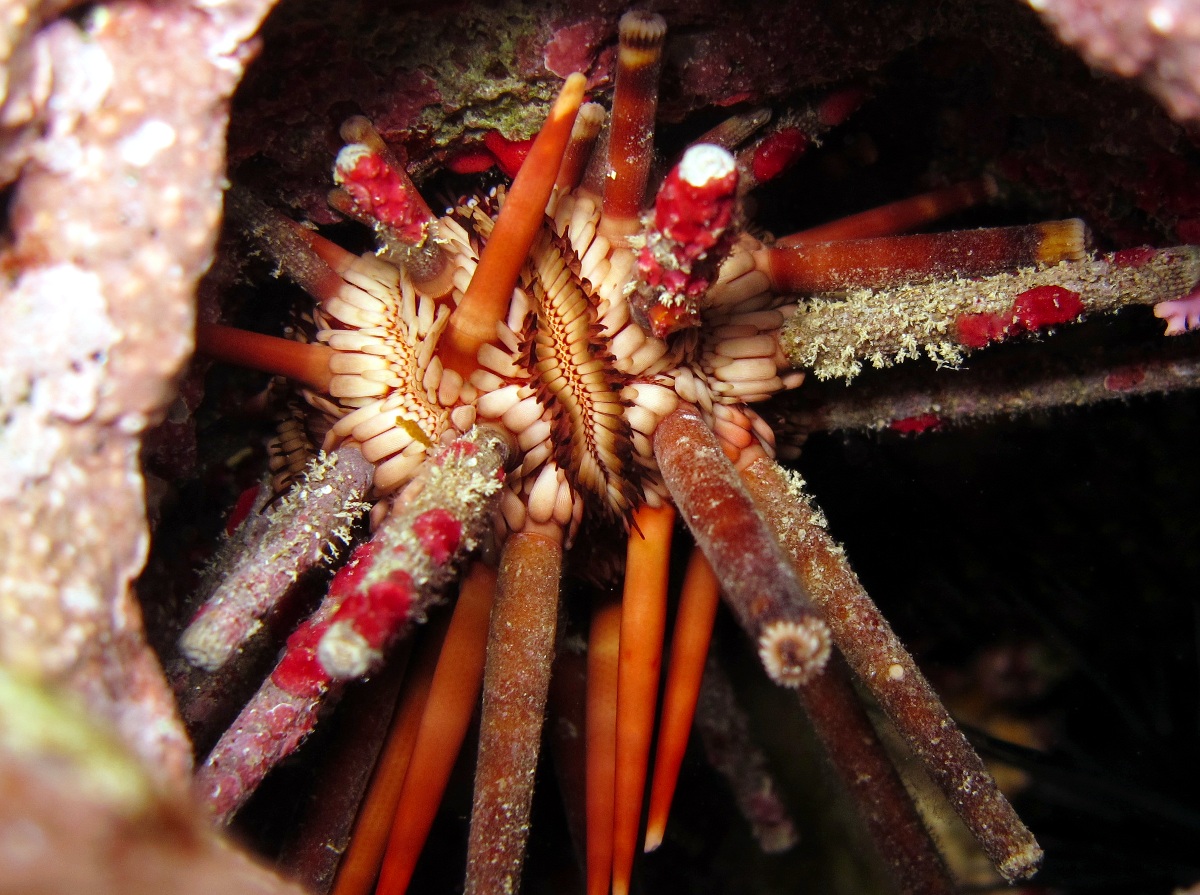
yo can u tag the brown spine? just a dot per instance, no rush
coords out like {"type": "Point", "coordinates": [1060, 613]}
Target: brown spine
{"type": "Point", "coordinates": [889, 260]}
{"type": "Point", "coordinates": [635, 103]}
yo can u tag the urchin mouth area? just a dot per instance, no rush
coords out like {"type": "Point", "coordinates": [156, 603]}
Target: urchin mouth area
{"type": "Point", "coordinates": [576, 379]}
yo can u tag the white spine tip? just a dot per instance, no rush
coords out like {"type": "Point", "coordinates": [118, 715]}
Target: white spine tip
{"type": "Point", "coordinates": [203, 646]}
{"type": "Point", "coordinates": [654, 838]}
{"type": "Point", "coordinates": [344, 653]}
{"type": "Point", "coordinates": [705, 163]}
{"type": "Point", "coordinates": [347, 159]}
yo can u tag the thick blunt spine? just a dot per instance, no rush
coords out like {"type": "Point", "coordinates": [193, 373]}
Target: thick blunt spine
{"type": "Point", "coordinates": [516, 680]}
{"type": "Point", "coordinates": [757, 581]}
{"type": "Point", "coordinates": [635, 103]}
{"type": "Point", "coordinates": [887, 669]}
{"type": "Point", "coordinates": [890, 260]}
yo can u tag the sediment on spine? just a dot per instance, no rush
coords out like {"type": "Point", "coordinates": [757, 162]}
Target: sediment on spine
{"type": "Point", "coordinates": [757, 581]}
{"type": "Point", "coordinates": [863, 766]}
{"type": "Point", "coordinates": [887, 669]}
{"type": "Point", "coordinates": [388, 585]}
{"type": "Point", "coordinates": [927, 399]}
{"type": "Point", "coordinates": [286, 243]}
{"type": "Point", "coordinates": [414, 554]}
{"type": "Point", "coordinates": [760, 587]}
{"type": "Point", "coordinates": [306, 529]}
{"type": "Point", "coordinates": [516, 680]}
{"type": "Point", "coordinates": [946, 319]}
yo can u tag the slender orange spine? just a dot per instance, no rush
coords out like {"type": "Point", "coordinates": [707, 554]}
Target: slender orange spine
{"type": "Point", "coordinates": [603, 652]}
{"type": "Point", "coordinates": [305, 362]}
{"type": "Point", "coordinates": [337, 258]}
{"type": "Point", "coordinates": [689, 650]}
{"type": "Point", "coordinates": [452, 698]}
{"type": "Point", "coordinates": [473, 323]}
{"type": "Point", "coordinates": [643, 622]}
{"type": "Point", "coordinates": [359, 866]}
{"type": "Point", "coordinates": [899, 217]}
{"type": "Point", "coordinates": [631, 132]}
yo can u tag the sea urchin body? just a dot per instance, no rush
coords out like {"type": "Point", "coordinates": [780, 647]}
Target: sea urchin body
{"type": "Point", "coordinates": [548, 359]}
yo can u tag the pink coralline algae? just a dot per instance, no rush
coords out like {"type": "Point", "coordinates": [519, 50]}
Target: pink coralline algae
{"type": "Point", "coordinates": [911, 425]}
{"type": "Point", "coordinates": [778, 152]}
{"type": "Point", "coordinates": [574, 47]}
{"type": "Point", "coordinates": [1182, 314]}
{"type": "Point", "coordinates": [1156, 40]}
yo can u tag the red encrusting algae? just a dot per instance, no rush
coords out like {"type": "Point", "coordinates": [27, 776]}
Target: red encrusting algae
{"type": "Point", "coordinates": [509, 154]}
{"type": "Point", "coordinates": [911, 425]}
{"type": "Point", "coordinates": [1032, 310]}
{"type": "Point", "coordinates": [389, 582]}
{"type": "Point", "coordinates": [382, 192]}
{"type": "Point", "coordinates": [687, 239]}
{"type": "Point", "coordinates": [778, 152]}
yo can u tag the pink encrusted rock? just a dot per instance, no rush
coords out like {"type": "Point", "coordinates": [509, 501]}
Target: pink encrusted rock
{"type": "Point", "coordinates": [574, 47]}
{"type": "Point", "coordinates": [112, 223]}
{"type": "Point", "coordinates": [79, 814]}
{"type": "Point", "coordinates": [1182, 314]}
{"type": "Point", "coordinates": [1155, 40]}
